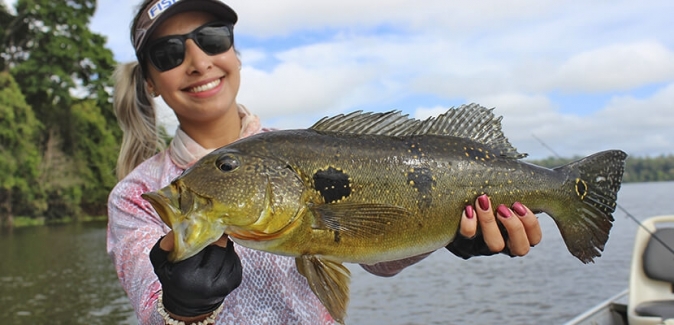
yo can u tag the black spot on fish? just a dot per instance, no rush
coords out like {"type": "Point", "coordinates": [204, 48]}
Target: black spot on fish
{"type": "Point", "coordinates": [338, 237]}
{"type": "Point", "coordinates": [415, 150]}
{"type": "Point", "coordinates": [421, 178]}
{"type": "Point", "coordinates": [581, 188]}
{"type": "Point", "coordinates": [333, 184]}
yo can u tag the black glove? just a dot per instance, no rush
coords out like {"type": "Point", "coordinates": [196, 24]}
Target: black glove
{"type": "Point", "coordinates": [199, 284]}
{"type": "Point", "coordinates": [476, 246]}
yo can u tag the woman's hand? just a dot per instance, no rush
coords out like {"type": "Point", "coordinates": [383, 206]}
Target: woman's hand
{"type": "Point", "coordinates": [512, 231]}
{"type": "Point", "coordinates": [195, 287]}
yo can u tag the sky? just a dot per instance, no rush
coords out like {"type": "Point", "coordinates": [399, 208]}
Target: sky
{"type": "Point", "coordinates": [570, 78]}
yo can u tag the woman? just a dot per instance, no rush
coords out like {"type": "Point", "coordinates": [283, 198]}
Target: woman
{"type": "Point", "coordinates": [185, 54]}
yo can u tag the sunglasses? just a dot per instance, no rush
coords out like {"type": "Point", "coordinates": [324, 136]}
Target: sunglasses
{"type": "Point", "coordinates": [168, 52]}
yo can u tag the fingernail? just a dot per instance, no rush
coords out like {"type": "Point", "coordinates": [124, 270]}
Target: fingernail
{"type": "Point", "coordinates": [470, 213]}
{"type": "Point", "coordinates": [504, 211]}
{"type": "Point", "coordinates": [519, 209]}
{"type": "Point", "coordinates": [483, 200]}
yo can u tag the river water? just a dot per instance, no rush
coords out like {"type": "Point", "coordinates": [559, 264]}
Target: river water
{"type": "Point", "coordinates": [61, 275]}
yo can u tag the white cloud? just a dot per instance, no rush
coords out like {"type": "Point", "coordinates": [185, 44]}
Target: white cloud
{"type": "Point", "coordinates": [512, 56]}
{"type": "Point", "coordinates": [616, 67]}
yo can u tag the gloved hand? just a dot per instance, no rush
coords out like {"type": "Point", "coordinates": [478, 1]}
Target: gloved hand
{"type": "Point", "coordinates": [199, 284]}
{"type": "Point", "coordinates": [511, 231]}
{"type": "Point", "coordinates": [475, 246]}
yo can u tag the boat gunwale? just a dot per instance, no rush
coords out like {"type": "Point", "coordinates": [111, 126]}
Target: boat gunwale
{"type": "Point", "coordinates": [602, 306]}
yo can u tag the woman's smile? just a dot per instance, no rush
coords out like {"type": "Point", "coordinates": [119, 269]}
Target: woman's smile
{"type": "Point", "coordinates": [204, 87]}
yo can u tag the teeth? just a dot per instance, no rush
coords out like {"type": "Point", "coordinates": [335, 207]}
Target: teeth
{"type": "Point", "coordinates": [205, 87]}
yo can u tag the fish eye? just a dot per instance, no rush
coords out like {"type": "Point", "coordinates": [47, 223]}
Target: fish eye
{"type": "Point", "coordinates": [227, 163]}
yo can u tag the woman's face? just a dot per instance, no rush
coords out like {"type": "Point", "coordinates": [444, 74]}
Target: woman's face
{"type": "Point", "coordinates": [204, 87]}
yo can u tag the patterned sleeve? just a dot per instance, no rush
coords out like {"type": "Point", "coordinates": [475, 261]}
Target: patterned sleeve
{"type": "Point", "coordinates": [133, 228]}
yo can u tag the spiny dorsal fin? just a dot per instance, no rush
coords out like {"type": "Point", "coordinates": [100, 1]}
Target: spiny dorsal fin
{"type": "Point", "coordinates": [472, 121]}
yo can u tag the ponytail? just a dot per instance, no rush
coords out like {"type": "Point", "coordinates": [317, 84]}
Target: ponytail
{"type": "Point", "coordinates": [137, 118]}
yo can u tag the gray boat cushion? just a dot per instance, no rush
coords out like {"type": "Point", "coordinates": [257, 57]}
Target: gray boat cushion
{"type": "Point", "coordinates": [658, 260]}
{"type": "Point", "coordinates": [663, 309]}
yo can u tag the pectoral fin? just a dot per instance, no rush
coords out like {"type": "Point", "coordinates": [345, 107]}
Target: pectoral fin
{"type": "Point", "coordinates": [358, 220]}
{"type": "Point", "coordinates": [329, 281]}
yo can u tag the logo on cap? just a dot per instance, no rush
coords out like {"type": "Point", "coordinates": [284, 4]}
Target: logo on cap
{"type": "Point", "coordinates": [160, 7]}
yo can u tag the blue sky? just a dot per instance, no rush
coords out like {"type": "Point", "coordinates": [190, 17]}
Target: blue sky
{"type": "Point", "coordinates": [583, 76]}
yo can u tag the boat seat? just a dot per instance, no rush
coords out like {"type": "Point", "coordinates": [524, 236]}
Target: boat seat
{"type": "Point", "coordinates": [651, 296]}
{"type": "Point", "coordinates": [663, 309]}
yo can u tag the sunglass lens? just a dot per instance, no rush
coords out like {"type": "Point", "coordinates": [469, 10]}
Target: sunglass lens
{"type": "Point", "coordinates": [214, 39]}
{"type": "Point", "coordinates": [168, 54]}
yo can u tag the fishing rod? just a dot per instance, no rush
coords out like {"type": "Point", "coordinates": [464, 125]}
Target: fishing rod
{"type": "Point", "coordinates": [627, 213]}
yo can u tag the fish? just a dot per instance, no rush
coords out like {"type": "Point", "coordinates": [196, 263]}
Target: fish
{"type": "Point", "coordinates": [369, 187]}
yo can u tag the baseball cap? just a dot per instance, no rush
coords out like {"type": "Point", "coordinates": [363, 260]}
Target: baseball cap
{"type": "Point", "coordinates": [159, 10]}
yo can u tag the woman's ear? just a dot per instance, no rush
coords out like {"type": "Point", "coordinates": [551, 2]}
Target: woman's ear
{"type": "Point", "coordinates": [150, 88]}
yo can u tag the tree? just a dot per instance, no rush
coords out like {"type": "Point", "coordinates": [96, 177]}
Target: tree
{"type": "Point", "coordinates": [19, 156]}
{"type": "Point", "coordinates": [64, 71]}
{"type": "Point", "coordinates": [56, 59]}
{"type": "Point", "coordinates": [96, 152]}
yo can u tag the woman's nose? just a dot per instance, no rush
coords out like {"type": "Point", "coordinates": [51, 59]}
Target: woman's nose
{"type": "Point", "coordinates": [196, 60]}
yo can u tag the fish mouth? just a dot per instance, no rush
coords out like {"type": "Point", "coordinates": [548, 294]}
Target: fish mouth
{"type": "Point", "coordinates": [184, 213]}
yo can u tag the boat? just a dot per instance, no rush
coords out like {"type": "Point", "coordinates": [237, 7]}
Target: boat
{"type": "Point", "coordinates": [649, 298]}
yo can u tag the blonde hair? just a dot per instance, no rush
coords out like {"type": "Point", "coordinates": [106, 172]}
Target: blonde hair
{"type": "Point", "coordinates": [137, 118]}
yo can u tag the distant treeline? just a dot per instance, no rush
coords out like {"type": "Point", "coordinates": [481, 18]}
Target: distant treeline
{"type": "Point", "coordinates": [637, 169]}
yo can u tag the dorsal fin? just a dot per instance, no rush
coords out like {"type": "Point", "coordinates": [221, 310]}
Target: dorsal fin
{"type": "Point", "coordinates": [472, 121]}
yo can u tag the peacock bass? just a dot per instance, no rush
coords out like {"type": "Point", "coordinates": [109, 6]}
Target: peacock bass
{"type": "Point", "coordinates": [374, 187]}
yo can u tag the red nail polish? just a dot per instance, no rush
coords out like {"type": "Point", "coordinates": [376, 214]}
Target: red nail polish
{"type": "Point", "coordinates": [470, 213]}
{"type": "Point", "coordinates": [519, 209]}
{"type": "Point", "coordinates": [483, 201]}
{"type": "Point", "coordinates": [504, 211]}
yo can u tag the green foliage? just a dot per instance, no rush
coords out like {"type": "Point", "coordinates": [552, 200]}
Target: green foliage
{"type": "Point", "coordinates": [63, 72]}
{"type": "Point", "coordinates": [650, 169]}
{"type": "Point", "coordinates": [19, 156]}
{"type": "Point", "coordinates": [56, 59]}
{"type": "Point", "coordinates": [637, 169]}
{"type": "Point", "coordinates": [6, 20]}
{"type": "Point", "coordinates": [96, 152]}
{"type": "Point", "coordinates": [59, 180]}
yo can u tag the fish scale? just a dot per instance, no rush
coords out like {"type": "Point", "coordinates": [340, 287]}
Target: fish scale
{"type": "Point", "coordinates": [376, 187]}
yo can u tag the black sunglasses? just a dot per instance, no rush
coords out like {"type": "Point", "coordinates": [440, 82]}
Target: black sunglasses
{"type": "Point", "coordinates": [168, 52]}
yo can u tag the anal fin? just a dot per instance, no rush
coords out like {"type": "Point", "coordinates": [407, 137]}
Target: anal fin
{"type": "Point", "coordinates": [329, 281]}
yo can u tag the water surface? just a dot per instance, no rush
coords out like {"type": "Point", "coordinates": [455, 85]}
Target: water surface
{"type": "Point", "coordinates": [62, 275]}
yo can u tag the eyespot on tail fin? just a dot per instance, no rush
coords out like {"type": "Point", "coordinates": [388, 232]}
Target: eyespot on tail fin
{"type": "Point", "coordinates": [586, 223]}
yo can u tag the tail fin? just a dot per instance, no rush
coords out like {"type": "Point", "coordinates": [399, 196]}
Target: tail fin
{"type": "Point", "coordinates": [586, 226]}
